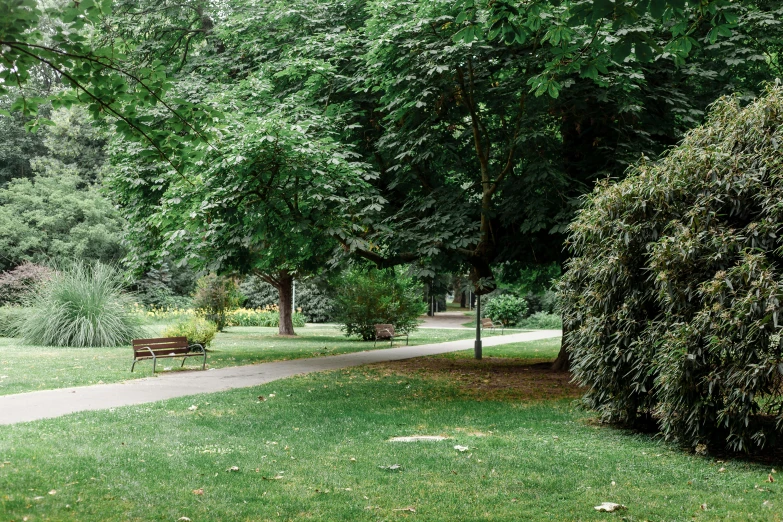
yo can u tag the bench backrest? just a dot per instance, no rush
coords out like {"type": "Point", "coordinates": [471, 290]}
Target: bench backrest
{"type": "Point", "coordinates": [384, 331]}
{"type": "Point", "coordinates": [487, 323]}
{"type": "Point", "coordinates": [161, 346]}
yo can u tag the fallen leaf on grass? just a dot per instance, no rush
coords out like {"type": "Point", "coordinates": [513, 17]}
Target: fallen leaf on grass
{"type": "Point", "coordinates": [54, 491]}
{"type": "Point", "coordinates": [37, 498]}
{"type": "Point", "coordinates": [193, 408]}
{"type": "Point", "coordinates": [198, 491]}
{"type": "Point", "coordinates": [409, 508]}
{"type": "Point", "coordinates": [233, 468]}
{"type": "Point", "coordinates": [261, 398]}
{"type": "Point", "coordinates": [276, 477]}
{"type": "Point", "coordinates": [183, 519]}
{"type": "Point", "coordinates": [461, 448]}
{"type": "Point", "coordinates": [609, 507]}
{"type": "Point", "coordinates": [393, 467]}
{"type": "Point", "coordinates": [703, 507]}
{"type": "Point", "coordinates": [721, 470]}
{"type": "Point", "coordinates": [770, 478]}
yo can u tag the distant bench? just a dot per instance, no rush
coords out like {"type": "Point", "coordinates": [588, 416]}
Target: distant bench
{"type": "Point", "coordinates": [166, 348]}
{"type": "Point", "coordinates": [487, 324]}
{"type": "Point", "coordinates": [386, 331]}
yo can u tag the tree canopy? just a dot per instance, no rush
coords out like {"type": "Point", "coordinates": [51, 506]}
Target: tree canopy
{"type": "Point", "coordinates": [471, 129]}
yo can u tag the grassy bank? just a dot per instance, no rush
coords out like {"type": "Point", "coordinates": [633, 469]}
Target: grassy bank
{"type": "Point", "coordinates": [318, 449]}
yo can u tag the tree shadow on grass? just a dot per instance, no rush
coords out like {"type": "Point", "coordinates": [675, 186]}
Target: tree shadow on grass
{"type": "Point", "coordinates": [492, 378]}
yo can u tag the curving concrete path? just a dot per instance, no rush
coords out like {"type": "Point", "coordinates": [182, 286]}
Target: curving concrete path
{"type": "Point", "coordinates": [45, 404]}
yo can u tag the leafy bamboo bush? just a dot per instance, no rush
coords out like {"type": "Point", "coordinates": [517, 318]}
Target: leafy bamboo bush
{"type": "Point", "coordinates": [506, 308]}
{"type": "Point", "coordinates": [672, 301]}
{"type": "Point", "coordinates": [83, 305]}
{"type": "Point", "coordinates": [365, 298]}
{"type": "Point", "coordinates": [197, 329]}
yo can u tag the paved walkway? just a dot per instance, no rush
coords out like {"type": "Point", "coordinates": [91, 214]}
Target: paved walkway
{"type": "Point", "coordinates": [54, 403]}
{"type": "Point", "coordinates": [451, 320]}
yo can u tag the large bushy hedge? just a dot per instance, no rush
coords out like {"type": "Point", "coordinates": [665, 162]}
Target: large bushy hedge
{"type": "Point", "coordinates": [672, 301]}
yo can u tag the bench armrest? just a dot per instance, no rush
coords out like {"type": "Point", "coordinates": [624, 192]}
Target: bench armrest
{"type": "Point", "coordinates": [203, 350]}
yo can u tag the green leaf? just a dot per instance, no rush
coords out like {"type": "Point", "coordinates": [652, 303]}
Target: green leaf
{"type": "Point", "coordinates": [657, 7]}
{"type": "Point", "coordinates": [621, 49]}
{"type": "Point", "coordinates": [464, 35]}
{"type": "Point", "coordinates": [644, 52]}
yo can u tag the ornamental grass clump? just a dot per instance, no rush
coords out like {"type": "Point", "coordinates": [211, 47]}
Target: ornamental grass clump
{"type": "Point", "coordinates": [83, 305]}
{"type": "Point", "coordinates": [672, 300]}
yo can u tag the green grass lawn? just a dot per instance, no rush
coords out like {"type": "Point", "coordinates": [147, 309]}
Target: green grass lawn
{"type": "Point", "coordinates": [318, 449]}
{"type": "Point", "coordinates": [29, 368]}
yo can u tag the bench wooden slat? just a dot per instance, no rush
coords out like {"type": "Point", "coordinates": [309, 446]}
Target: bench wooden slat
{"type": "Point", "coordinates": [164, 340]}
{"type": "Point", "coordinates": [161, 346]}
{"type": "Point", "coordinates": [159, 352]}
{"type": "Point", "coordinates": [169, 355]}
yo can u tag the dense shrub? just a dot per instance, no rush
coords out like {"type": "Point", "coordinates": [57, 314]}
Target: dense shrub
{"type": "Point", "coordinates": [506, 308]}
{"type": "Point", "coordinates": [197, 329]}
{"type": "Point", "coordinates": [10, 317]}
{"type": "Point", "coordinates": [672, 300]}
{"type": "Point", "coordinates": [541, 321]}
{"type": "Point", "coordinates": [215, 296]}
{"type": "Point", "coordinates": [16, 283]}
{"type": "Point", "coordinates": [544, 302]}
{"type": "Point", "coordinates": [365, 298]}
{"type": "Point", "coordinates": [83, 305]}
{"type": "Point", "coordinates": [269, 317]}
{"type": "Point", "coordinates": [313, 299]}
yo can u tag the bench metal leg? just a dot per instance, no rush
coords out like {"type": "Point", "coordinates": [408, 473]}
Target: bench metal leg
{"type": "Point", "coordinates": [183, 362]}
{"type": "Point", "coordinates": [154, 363]}
{"type": "Point", "coordinates": [134, 364]}
{"type": "Point", "coordinates": [204, 364]}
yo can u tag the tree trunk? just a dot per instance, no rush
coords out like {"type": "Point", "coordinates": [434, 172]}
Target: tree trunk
{"type": "Point", "coordinates": [562, 363]}
{"type": "Point", "coordinates": [284, 284]}
{"type": "Point", "coordinates": [459, 295]}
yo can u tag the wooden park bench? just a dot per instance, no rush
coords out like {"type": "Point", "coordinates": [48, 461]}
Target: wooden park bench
{"type": "Point", "coordinates": [386, 331]}
{"type": "Point", "coordinates": [166, 348]}
{"type": "Point", "coordinates": [488, 324]}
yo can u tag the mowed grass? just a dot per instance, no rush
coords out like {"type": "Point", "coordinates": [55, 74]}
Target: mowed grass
{"type": "Point", "coordinates": [318, 449]}
{"type": "Point", "coordinates": [29, 368]}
